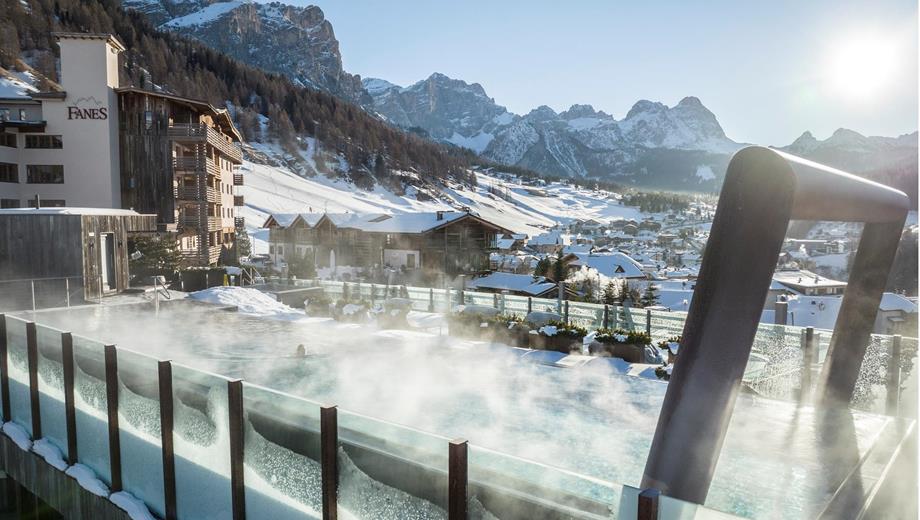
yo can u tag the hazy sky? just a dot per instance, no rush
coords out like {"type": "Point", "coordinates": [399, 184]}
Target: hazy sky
{"type": "Point", "coordinates": [769, 70]}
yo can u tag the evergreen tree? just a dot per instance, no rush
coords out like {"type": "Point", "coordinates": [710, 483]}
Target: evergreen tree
{"type": "Point", "coordinates": [302, 266]}
{"type": "Point", "coordinates": [154, 256]}
{"type": "Point", "coordinates": [559, 268]}
{"type": "Point", "coordinates": [649, 296]}
{"type": "Point", "coordinates": [243, 243]}
{"type": "Point", "coordinates": [542, 268]}
{"type": "Point", "coordinates": [610, 293]}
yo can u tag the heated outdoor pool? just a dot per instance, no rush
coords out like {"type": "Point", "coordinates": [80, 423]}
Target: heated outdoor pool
{"type": "Point", "coordinates": [589, 420]}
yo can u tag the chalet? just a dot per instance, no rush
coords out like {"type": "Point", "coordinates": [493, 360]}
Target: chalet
{"type": "Point", "coordinates": [517, 284]}
{"type": "Point", "coordinates": [94, 143]}
{"type": "Point", "coordinates": [611, 265]}
{"type": "Point", "coordinates": [451, 242]}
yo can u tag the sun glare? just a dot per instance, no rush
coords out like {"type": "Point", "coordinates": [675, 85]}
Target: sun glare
{"type": "Point", "coordinates": [862, 67]}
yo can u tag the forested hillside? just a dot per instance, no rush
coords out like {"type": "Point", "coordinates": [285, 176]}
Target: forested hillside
{"type": "Point", "coordinates": [155, 59]}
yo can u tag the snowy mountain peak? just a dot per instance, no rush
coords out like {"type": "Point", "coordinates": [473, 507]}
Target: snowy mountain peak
{"type": "Point", "coordinates": [579, 111]}
{"type": "Point", "coordinates": [541, 113]}
{"type": "Point", "coordinates": [643, 106]}
{"type": "Point", "coordinates": [691, 101]}
{"type": "Point", "coordinates": [377, 86]}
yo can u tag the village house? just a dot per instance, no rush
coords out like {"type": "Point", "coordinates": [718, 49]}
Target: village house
{"type": "Point", "coordinates": [96, 144]}
{"type": "Point", "coordinates": [448, 242]}
{"type": "Point", "coordinates": [800, 281]}
{"type": "Point", "coordinates": [516, 284]}
{"type": "Point", "coordinates": [611, 265]}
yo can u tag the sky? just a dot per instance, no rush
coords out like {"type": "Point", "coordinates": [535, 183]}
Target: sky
{"type": "Point", "coordinates": [768, 70]}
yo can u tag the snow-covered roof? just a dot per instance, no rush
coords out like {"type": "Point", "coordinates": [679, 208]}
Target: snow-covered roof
{"type": "Point", "coordinates": [612, 265]}
{"type": "Point", "coordinates": [675, 299]}
{"type": "Point", "coordinates": [522, 283]}
{"type": "Point", "coordinates": [68, 211]}
{"type": "Point", "coordinates": [896, 302]}
{"type": "Point", "coordinates": [418, 222]}
{"type": "Point", "coordinates": [505, 243]}
{"type": "Point", "coordinates": [803, 278]}
{"type": "Point", "coordinates": [549, 238]}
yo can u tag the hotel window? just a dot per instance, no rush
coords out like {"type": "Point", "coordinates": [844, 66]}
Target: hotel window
{"type": "Point", "coordinates": [7, 139]}
{"type": "Point", "coordinates": [9, 203]}
{"type": "Point", "coordinates": [45, 174]}
{"type": "Point", "coordinates": [22, 114]}
{"type": "Point", "coordinates": [44, 141]}
{"type": "Point", "coordinates": [9, 172]}
{"type": "Point", "coordinates": [4, 114]}
{"type": "Point", "coordinates": [48, 203]}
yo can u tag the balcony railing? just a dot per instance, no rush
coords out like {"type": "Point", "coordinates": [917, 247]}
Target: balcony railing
{"type": "Point", "coordinates": [237, 179]}
{"type": "Point", "coordinates": [238, 201]}
{"type": "Point", "coordinates": [195, 221]}
{"type": "Point", "coordinates": [194, 193]}
{"type": "Point", "coordinates": [197, 165]}
{"type": "Point", "coordinates": [202, 132]}
{"type": "Point", "coordinates": [240, 222]}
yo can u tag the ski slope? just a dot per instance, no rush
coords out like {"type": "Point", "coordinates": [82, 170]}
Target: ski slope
{"type": "Point", "coordinates": [521, 208]}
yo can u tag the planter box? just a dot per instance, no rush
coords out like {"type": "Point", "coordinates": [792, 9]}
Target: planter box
{"type": "Point", "coordinates": [517, 336]}
{"type": "Point", "coordinates": [629, 352]}
{"type": "Point", "coordinates": [564, 344]}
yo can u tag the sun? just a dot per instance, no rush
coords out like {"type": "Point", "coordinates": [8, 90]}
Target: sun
{"type": "Point", "coordinates": [862, 67]}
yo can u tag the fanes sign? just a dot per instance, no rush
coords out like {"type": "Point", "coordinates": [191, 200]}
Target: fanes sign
{"type": "Point", "coordinates": [76, 111]}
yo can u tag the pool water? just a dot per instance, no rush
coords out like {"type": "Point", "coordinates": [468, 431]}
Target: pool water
{"type": "Point", "coordinates": [588, 420]}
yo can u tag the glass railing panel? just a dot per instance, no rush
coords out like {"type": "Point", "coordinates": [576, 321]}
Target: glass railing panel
{"type": "Point", "coordinates": [90, 403]}
{"type": "Point", "coordinates": [51, 387]}
{"type": "Point", "coordinates": [390, 471]}
{"type": "Point", "coordinates": [508, 486]}
{"type": "Point", "coordinates": [18, 366]}
{"type": "Point", "coordinates": [202, 444]}
{"type": "Point", "coordinates": [139, 427]}
{"type": "Point", "coordinates": [282, 481]}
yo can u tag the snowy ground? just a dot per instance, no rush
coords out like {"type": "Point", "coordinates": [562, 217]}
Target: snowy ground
{"type": "Point", "coordinates": [523, 209]}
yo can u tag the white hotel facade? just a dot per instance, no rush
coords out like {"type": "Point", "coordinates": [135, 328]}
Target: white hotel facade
{"type": "Point", "coordinates": [96, 144]}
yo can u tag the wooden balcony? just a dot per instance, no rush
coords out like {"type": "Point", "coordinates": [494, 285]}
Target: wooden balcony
{"type": "Point", "coordinates": [198, 165]}
{"type": "Point", "coordinates": [199, 132]}
{"type": "Point", "coordinates": [239, 222]}
{"type": "Point", "coordinates": [195, 221]}
{"type": "Point", "coordinates": [237, 179]}
{"type": "Point", "coordinates": [238, 201]}
{"type": "Point", "coordinates": [197, 194]}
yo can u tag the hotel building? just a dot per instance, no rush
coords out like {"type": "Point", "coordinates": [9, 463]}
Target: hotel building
{"type": "Point", "coordinates": [97, 144]}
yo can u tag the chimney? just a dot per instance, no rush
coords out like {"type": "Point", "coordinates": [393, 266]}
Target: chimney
{"type": "Point", "coordinates": [440, 215]}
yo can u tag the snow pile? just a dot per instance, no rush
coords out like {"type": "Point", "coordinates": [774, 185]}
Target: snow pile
{"type": "Point", "coordinates": [135, 507]}
{"type": "Point", "coordinates": [50, 453]}
{"type": "Point", "coordinates": [18, 434]}
{"type": "Point", "coordinates": [351, 309]}
{"type": "Point", "coordinates": [88, 480]}
{"type": "Point", "coordinates": [247, 301]}
{"type": "Point", "coordinates": [548, 330]}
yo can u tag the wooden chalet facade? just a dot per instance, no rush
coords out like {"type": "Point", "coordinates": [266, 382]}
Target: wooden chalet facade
{"type": "Point", "coordinates": [438, 242]}
{"type": "Point", "coordinates": [179, 160]}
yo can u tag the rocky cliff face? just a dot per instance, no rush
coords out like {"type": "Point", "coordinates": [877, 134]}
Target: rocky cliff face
{"type": "Point", "coordinates": [295, 41]}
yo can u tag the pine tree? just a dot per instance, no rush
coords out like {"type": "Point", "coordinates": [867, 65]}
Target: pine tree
{"type": "Point", "coordinates": [154, 256]}
{"type": "Point", "coordinates": [649, 296]}
{"type": "Point", "coordinates": [610, 293]}
{"type": "Point", "coordinates": [302, 266]}
{"type": "Point", "coordinates": [243, 243]}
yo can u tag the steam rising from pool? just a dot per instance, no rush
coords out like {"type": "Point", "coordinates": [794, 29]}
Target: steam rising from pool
{"type": "Point", "coordinates": [589, 420]}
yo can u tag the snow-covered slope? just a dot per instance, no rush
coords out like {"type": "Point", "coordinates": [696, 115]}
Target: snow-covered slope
{"type": "Point", "coordinates": [520, 208]}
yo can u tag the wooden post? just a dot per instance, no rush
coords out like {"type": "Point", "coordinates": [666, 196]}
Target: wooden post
{"type": "Point", "coordinates": [373, 290]}
{"type": "Point", "coordinates": [70, 410]}
{"type": "Point", "coordinates": [237, 485]}
{"type": "Point", "coordinates": [529, 304]}
{"type": "Point", "coordinates": [457, 479]}
{"type": "Point", "coordinates": [648, 504]}
{"type": "Point", "coordinates": [616, 315]}
{"type": "Point", "coordinates": [111, 397]}
{"type": "Point", "coordinates": [894, 377]}
{"type": "Point", "coordinates": [648, 322]}
{"type": "Point", "coordinates": [164, 373]}
{"type": "Point", "coordinates": [32, 356]}
{"type": "Point", "coordinates": [430, 300]}
{"type": "Point", "coordinates": [4, 371]}
{"type": "Point", "coordinates": [494, 300]}
{"type": "Point", "coordinates": [329, 447]}
{"type": "Point", "coordinates": [606, 316]}
{"type": "Point", "coordinates": [566, 316]}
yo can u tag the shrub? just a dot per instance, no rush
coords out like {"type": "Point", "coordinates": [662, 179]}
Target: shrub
{"type": "Point", "coordinates": [564, 330]}
{"type": "Point", "coordinates": [608, 336]}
